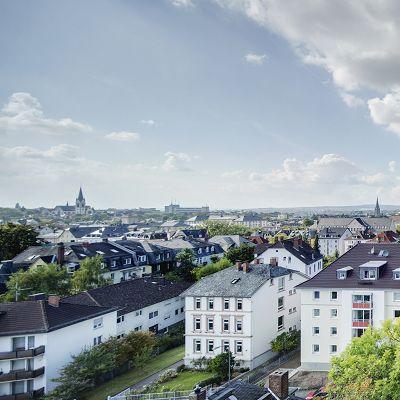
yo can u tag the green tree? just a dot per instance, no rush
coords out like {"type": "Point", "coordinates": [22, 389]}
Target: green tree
{"type": "Point", "coordinates": [47, 279]}
{"type": "Point", "coordinates": [316, 243]}
{"type": "Point", "coordinates": [243, 253]}
{"type": "Point", "coordinates": [89, 275]}
{"type": "Point", "coordinates": [14, 239]}
{"type": "Point", "coordinates": [185, 265]}
{"type": "Point", "coordinates": [308, 222]}
{"type": "Point", "coordinates": [215, 228]}
{"type": "Point", "coordinates": [209, 269]}
{"type": "Point", "coordinates": [286, 342]}
{"type": "Point", "coordinates": [369, 367]}
{"type": "Point", "coordinates": [220, 365]}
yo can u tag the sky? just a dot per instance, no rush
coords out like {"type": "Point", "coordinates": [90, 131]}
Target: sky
{"type": "Point", "coordinates": [226, 103]}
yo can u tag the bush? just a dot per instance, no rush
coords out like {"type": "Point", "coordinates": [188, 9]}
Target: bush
{"type": "Point", "coordinates": [209, 269]}
{"type": "Point", "coordinates": [213, 380]}
{"type": "Point", "coordinates": [222, 364]}
{"type": "Point", "coordinates": [181, 368]}
{"type": "Point", "coordinates": [166, 376]}
{"type": "Point", "coordinates": [286, 342]}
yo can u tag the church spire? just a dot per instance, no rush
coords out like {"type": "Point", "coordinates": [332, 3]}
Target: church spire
{"type": "Point", "coordinates": [80, 195]}
{"type": "Point", "coordinates": [377, 209]}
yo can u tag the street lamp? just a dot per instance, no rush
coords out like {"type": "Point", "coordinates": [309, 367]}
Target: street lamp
{"type": "Point", "coordinates": [226, 348]}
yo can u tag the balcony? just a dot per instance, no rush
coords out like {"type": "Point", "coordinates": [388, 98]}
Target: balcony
{"type": "Point", "coordinates": [21, 374]}
{"type": "Point", "coordinates": [36, 394]}
{"type": "Point", "coordinates": [361, 305]}
{"type": "Point", "coordinates": [361, 324]}
{"type": "Point", "coordinates": [8, 355]}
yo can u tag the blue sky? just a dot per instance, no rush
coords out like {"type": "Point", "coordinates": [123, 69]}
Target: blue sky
{"type": "Point", "coordinates": [228, 103]}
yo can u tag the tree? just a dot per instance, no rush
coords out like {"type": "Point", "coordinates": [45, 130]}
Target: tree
{"type": "Point", "coordinates": [47, 279]}
{"type": "Point", "coordinates": [243, 253]}
{"type": "Point", "coordinates": [209, 269]}
{"type": "Point", "coordinates": [136, 348]}
{"type": "Point", "coordinates": [277, 237]}
{"type": "Point", "coordinates": [369, 368]}
{"type": "Point", "coordinates": [215, 228]}
{"type": "Point", "coordinates": [286, 342]}
{"type": "Point", "coordinates": [308, 222]}
{"type": "Point", "coordinates": [89, 275]}
{"type": "Point", "coordinates": [14, 239]}
{"type": "Point", "coordinates": [221, 363]}
{"type": "Point", "coordinates": [316, 243]}
{"type": "Point", "coordinates": [185, 265]}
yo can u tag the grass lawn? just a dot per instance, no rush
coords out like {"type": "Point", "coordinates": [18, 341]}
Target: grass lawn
{"type": "Point", "coordinates": [186, 380]}
{"type": "Point", "coordinates": [121, 382]}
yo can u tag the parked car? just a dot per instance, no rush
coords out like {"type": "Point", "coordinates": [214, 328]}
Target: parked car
{"type": "Point", "coordinates": [317, 394]}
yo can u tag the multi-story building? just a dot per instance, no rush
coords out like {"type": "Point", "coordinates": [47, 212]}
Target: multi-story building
{"type": "Point", "coordinates": [251, 221]}
{"type": "Point", "coordinates": [241, 308]}
{"type": "Point", "coordinates": [144, 304]}
{"type": "Point", "coordinates": [332, 240]}
{"type": "Point", "coordinates": [295, 254]}
{"type": "Point", "coordinates": [177, 209]}
{"type": "Point", "coordinates": [360, 289]}
{"type": "Point", "coordinates": [38, 337]}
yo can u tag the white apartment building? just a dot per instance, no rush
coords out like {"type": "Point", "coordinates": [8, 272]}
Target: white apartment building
{"type": "Point", "coordinates": [241, 309]}
{"type": "Point", "coordinates": [294, 254]}
{"type": "Point", "coordinates": [144, 304]}
{"type": "Point", "coordinates": [38, 337]}
{"type": "Point", "coordinates": [360, 289]}
{"type": "Point", "coordinates": [332, 240]}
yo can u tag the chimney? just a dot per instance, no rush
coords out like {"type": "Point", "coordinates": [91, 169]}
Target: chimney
{"type": "Point", "coordinates": [54, 300]}
{"type": "Point", "coordinates": [238, 265]}
{"type": "Point", "coordinates": [246, 267]}
{"type": "Point", "coordinates": [256, 261]}
{"type": "Point", "coordinates": [60, 253]}
{"type": "Point", "coordinates": [199, 394]}
{"type": "Point", "coordinates": [279, 383]}
{"type": "Point", "coordinates": [273, 262]}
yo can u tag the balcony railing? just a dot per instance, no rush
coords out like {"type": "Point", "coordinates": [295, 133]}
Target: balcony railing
{"type": "Point", "coordinates": [36, 394]}
{"type": "Point", "coordinates": [360, 304]}
{"type": "Point", "coordinates": [361, 324]}
{"type": "Point", "coordinates": [8, 355]}
{"type": "Point", "coordinates": [21, 374]}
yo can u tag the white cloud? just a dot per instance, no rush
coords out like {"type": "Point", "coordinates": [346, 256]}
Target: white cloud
{"type": "Point", "coordinates": [23, 113]}
{"type": "Point", "coordinates": [149, 122]}
{"type": "Point", "coordinates": [123, 136]}
{"type": "Point", "coordinates": [176, 162]}
{"type": "Point", "coordinates": [256, 59]}
{"type": "Point", "coordinates": [182, 3]}
{"type": "Point", "coordinates": [239, 174]}
{"type": "Point", "coordinates": [392, 166]}
{"type": "Point", "coordinates": [354, 41]}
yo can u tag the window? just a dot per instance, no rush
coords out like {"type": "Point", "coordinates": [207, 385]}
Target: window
{"type": "Point", "coordinates": [280, 322]}
{"type": "Point", "coordinates": [210, 304]}
{"type": "Point", "coordinates": [139, 312]}
{"type": "Point", "coordinates": [396, 313]}
{"type": "Point", "coordinates": [341, 274]}
{"type": "Point", "coordinates": [290, 277]}
{"type": "Point", "coordinates": [239, 325]}
{"type": "Point", "coordinates": [127, 261]}
{"type": "Point", "coordinates": [197, 323]}
{"type": "Point", "coordinates": [225, 324]}
{"type": "Point", "coordinates": [334, 295]}
{"type": "Point", "coordinates": [280, 303]}
{"type": "Point", "coordinates": [239, 304]}
{"type": "Point", "coordinates": [290, 292]}
{"type": "Point", "coordinates": [120, 319]}
{"type": "Point", "coordinates": [182, 309]}
{"type": "Point", "coordinates": [333, 348]}
{"type": "Point", "coordinates": [31, 342]}
{"type": "Point", "coordinates": [281, 283]}
{"type": "Point", "coordinates": [96, 340]}
{"type": "Point", "coordinates": [396, 275]}
{"type": "Point", "coordinates": [368, 274]}
{"type": "Point", "coordinates": [138, 328]}
{"type": "Point", "coordinates": [316, 312]}
{"type": "Point", "coordinates": [289, 260]}
{"type": "Point", "coordinates": [315, 330]}
{"type": "Point", "coordinates": [17, 387]}
{"type": "Point", "coordinates": [97, 323]}
{"type": "Point", "coordinates": [238, 347]}
{"type": "Point", "coordinates": [120, 336]}
{"type": "Point", "coordinates": [226, 304]}
{"type": "Point", "coordinates": [114, 263]}
{"type": "Point", "coordinates": [153, 314]}
{"type": "Point", "coordinates": [334, 312]}
{"type": "Point", "coordinates": [197, 346]}
{"type": "Point", "coordinates": [315, 348]}
{"type": "Point", "coordinates": [210, 346]}
{"type": "Point", "coordinates": [396, 296]}
{"type": "Point", "coordinates": [177, 311]}
{"type": "Point", "coordinates": [333, 330]}
{"type": "Point", "coordinates": [210, 324]}
{"type": "Point", "coordinates": [316, 295]}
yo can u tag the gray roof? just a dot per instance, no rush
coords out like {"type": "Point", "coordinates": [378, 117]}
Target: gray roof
{"type": "Point", "coordinates": [228, 241]}
{"type": "Point", "coordinates": [247, 283]}
{"type": "Point", "coordinates": [332, 233]}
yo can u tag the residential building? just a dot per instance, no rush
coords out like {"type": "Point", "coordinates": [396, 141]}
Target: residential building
{"type": "Point", "coordinates": [251, 221]}
{"type": "Point", "coordinates": [38, 337]}
{"type": "Point", "coordinates": [358, 290]}
{"type": "Point", "coordinates": [177, 209]}
{"type": "Point", "coordinates": [332, 241]}
{"type": "Point", "coordinates": [357, 238]}
{"type": "Point", "coordinates": [228, 242]}
{"type": "Point", "coordinates": [226, 310]}
{"type": "Point", "coordinates": [295, 254]}
{"type": "Point", "coordinates": [197, 220]}
{"type": "Point", "coordinates": [144, 304]}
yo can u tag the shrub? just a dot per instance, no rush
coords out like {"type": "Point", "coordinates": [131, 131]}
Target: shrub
{"type": "Point", "coordinates": [286, 342]}
{"type": "Point", "coordinates": [166, 376]}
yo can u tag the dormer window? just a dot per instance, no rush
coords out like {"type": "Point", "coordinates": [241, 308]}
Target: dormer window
{"type": "Point", "coordinates": [343, 273]}
{"type": "Point", "coordinates": [369, 274]}
{"type": "Point", "coordinates": [371, 270]}
{"type": "Point", "coordinates": [396, 274]}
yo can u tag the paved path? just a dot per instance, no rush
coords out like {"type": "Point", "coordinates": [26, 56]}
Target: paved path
{"type": "Point", "coordinates": [150, 379]}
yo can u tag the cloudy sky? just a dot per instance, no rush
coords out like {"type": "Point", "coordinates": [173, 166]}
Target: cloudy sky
{"type": "Point", "coordinates": [230, 103]}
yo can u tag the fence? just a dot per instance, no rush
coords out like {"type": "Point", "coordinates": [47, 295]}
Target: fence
{"type": "Point", "coordinates": [126, 395]}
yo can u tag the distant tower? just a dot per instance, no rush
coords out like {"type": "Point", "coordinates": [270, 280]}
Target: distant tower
{"type": "Point", "coordinates": [80, 203]}
{"type": "Point", "coordinates": [377, 212]}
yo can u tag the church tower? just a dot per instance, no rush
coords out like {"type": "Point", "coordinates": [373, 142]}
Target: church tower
{"type": "Point", "coordinates": [80, 203]}
{"type": "Point", "coordinates": [377, 212]}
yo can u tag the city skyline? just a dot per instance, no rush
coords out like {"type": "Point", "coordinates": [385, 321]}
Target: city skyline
{"type": "Point", "coordinates": [220, 103]}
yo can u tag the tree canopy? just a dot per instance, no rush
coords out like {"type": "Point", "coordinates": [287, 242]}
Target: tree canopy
{"type": "Point", "coordinates": [369, 367]}
{"type": "Point", "coordinates": [215, 228]}
{"type": "Point", "coordinates": [243, 253]}
{"type": "Point", "coordinates": [185, 266]}
{"type": "Point", "coordinates": [221, 364]}
{"type": "Point", "coordinates": [201, 272]}
{"type": "Point", "coordinates": [286, 342]}
{"type": "Point", "coordinates": [14, 239]}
